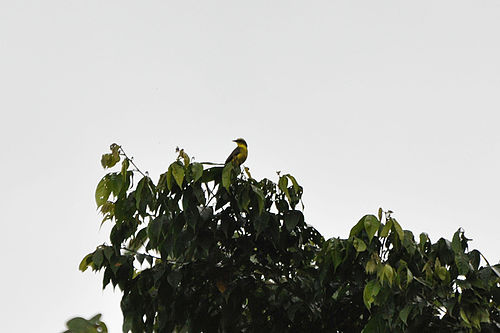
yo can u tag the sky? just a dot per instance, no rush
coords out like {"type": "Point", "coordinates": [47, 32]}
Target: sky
{"type": "Point", "coordinates": [369, 104]}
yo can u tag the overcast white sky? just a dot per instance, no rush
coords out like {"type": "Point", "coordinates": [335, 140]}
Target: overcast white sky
{"type": "Point", "coordinates": [367, 103]}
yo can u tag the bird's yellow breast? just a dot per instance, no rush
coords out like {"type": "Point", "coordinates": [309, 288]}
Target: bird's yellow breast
{"type": "Point", "coordinates": [242, 154]}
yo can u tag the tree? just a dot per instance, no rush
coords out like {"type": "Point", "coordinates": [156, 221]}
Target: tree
{"type": "Point", "coordinates": [214, 250]}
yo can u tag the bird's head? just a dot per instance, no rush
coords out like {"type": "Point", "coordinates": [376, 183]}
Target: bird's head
{"type": "Point", "coordinates": [241, 142]}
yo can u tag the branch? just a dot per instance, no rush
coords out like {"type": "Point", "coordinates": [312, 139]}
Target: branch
{"type": "Point", "coordinates": [144, 254]}
{"type": "Point", "coordinates": [131, 161]}
{"type": "Point", "coordinates": [492, 268]}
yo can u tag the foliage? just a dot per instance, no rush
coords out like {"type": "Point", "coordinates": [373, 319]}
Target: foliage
{"type": "Point", "coordinates": [81, 325]}
{"type": "Point", "coordinates": [213, 250]}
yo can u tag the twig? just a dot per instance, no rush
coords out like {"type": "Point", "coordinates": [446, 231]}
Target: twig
{"type": "Point", "coordinates": [211, 163]}
{"type": "Point", "coordinates": [131, 161]}
{"type": "Point", "coordinates": [488, 263]}
{"type": "Point", "coordinates": [144, 254]}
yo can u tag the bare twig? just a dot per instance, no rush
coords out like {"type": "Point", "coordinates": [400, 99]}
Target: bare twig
{"type": "Point", "coordinates": [488, 263]}
{"type": "Point", "coordinates": [131, 161]}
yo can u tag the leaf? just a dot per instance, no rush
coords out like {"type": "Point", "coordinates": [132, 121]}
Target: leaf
{"type": "Point", "coordinates": [226, 175]}
{"type": "Point", "coordinates": [462, 263]}
{"type": "Point", "coordinates": [464, 317]}
{"type": "Point", "coordinates": [403, 314]}
{"type": "Point", "coordinates": [98, 258]}
{"type": "Point", "coordinates": [125, 165]}
{"type": "Point", "coordinates": [85, 263]}
{"type": "Point", "coordinates": [423, 240]}
{"type": "Point", "coordinates": [283, 186]}
{"type": "Point", "coordinates": [169, 178]}
{"type": "Point", "coordinates": [109, 252]}
{"type": "Point", "coordinates": [80, 325]}
{"type": "Point", "coordinates": [178, 173]}
{"type": "Point", "coordinates": [409, 276]}
{"type": "Point", "coordinates": [138, 191]}
{"type": "Point", "coordinates": [199, 194]}
{"type": "Point", "coordinates": [197, 170]}
{"type": "Point", "coordinates": [337, 256]}
{"type": "Point", "coordinates": [442, 273]}
{"type": "Point", "coordinates": [387, 227]}
{"type": "Point", "coordinates": [295, 185]}
{"type": "Point", "coordinates": [106, 160]}
{"type": "Point", "coordinates": [109, 160]}
{"type": "Point", "coordinates": [455, 243]}
{"type": "Point", "coordinates": [292, 218]}
{"type": "Point", "coordinates": [357, 228]}
{"type": "Point", "coordinates": [370, 291]}
{"type": "Point", "coordinates": [260, 197]}
{"type": "Point", "coordinates": [371, 266]}
{"type": "Point", "coordinates": [154, 230]}
{"type": "Point", "coordinates": [359, 245]}
{"type": "Point", "coordinates": [102, 191]}
{"type": "Point", "coordinates": [371, 224]}
{"type": "Point", "coordinates": [387, 273]}
{"type": "Point", "coordinates": [245, 199]}
{"type": "Point", "coordinates": [398, 229]}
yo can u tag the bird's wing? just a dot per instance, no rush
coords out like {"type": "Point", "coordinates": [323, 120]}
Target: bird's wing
{"type": "Point", "coordinates": [235, 152]}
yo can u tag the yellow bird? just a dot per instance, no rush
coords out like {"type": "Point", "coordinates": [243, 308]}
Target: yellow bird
{"type": "Point", "coordinates": [239, 154]}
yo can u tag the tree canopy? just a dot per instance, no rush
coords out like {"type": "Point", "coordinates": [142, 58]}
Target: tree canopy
{"type": "Point", "coordinates": [208, 248]}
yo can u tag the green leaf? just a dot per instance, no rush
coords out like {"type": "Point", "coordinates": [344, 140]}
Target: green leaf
{"type": "Point", "coordinates": [423, 240]}
{"type": "Point", "coordinates": [178, 173]}
{"type": "Point", "coordinates": [371, 266]}
{"type": "Point", "coordinates": [197, 170]}
{"type": "Point", "coordinates": [154, 230]}
{"type": "Point", "coordinates": [86, 261]}
{"type": "Point", "coordinates": [464, 317]}
{"type": "Point", "coordinates": [226, 175]}
{"type": "Point", "coordinates": [442, 273]}
{"type": "Point", "coordinates": [398, 229]}
{"type": "Point", "coordinates": [125, 165]}
{"type": "Point", "coordinates": [102, 191]}
{"type": "Point", "coordinates": [403, 314]}
{"type": "Point", "coordinates": [456, 245]}
{"type": "Point", "coordinates": [169, 178]}
{"type": "Point", "coordinates": [371, 224]}
{"type": "Point", "coordinates": [109, 160]}
{"type": "Point", "coordinates": [337, 255]}
{"type": "Point", "coordinates": [387, 227]}
{"type": "Point", "coordinates": [138, 191]}
{"type": "Point", "coordinates": [359, 245]}
{"type": "Point", "coordinates": [260, 197]}
{"type": "Point", "coordinates": [115, 183]}
{"type": "Point", "coordinates": [409, 276]}
{"type": "Point", "coordinates": [462, 263]}
{"type": "Point", "coordinates": [370, 291]}
{"type": "Point", "coordinates": [283, 186]}
{"type": "Point", "coordinates": [292, 218]}
{"type": "Point", "coordinates": [295, 185]}
{"type": "Point", "coordinates": [357, 228]}
{"type": "Point", "coordinates": [109, 252]}
{"type": "Point", "coordinates": [80, 325]}
{"type": "Point", "coordinates": [388, 273]}
{"type": "Point", "coordinates": [98, 258]}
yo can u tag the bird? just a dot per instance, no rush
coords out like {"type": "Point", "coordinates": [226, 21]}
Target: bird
{"type": "Point", "coordinates": [239, 154]}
